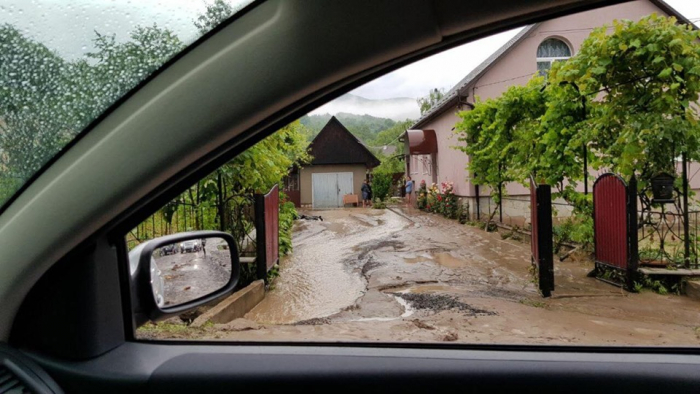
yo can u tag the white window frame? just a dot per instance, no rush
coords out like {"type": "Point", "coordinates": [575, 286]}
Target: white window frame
{"type": "Point", "coordinates": [414, 164]}
{"type": "Point", "coordinates": [551, 60]}
{"type": "Point", "coordinates": [427, 165]}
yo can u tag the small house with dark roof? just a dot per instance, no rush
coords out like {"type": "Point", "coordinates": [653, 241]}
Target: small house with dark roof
{"type": "Point", "coordinates": [340, 163]}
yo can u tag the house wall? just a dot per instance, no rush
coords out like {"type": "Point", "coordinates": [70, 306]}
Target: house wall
{"type": "Point", "coordinates": [516, 67]}
{"type": "Point", "coordinates": [359, 172]}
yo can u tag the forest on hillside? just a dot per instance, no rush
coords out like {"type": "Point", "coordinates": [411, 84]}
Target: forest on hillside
{"type": "Point", "coordinates": [364, 127]}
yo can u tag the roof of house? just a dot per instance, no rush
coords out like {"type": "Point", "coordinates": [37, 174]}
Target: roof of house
{"type": "Point", "coordinates": [452, 96]}
{"type": "Point", "coordinates": [334, 144]}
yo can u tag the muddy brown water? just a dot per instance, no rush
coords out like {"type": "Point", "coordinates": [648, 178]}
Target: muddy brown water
{"type": "Point", "coordinates": [319, 278]}
{"type": "Point", "coordinates": [368, 275]}
{"type": "Point", "coordinates": [445, 259]}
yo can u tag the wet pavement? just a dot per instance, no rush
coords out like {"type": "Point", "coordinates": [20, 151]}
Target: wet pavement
{"type": "Point", "coordinates": [404, 275]}
{"type": "Point", "coordinates": [190, 275]}
{"type": "Point", "coordinates": [323, 276]}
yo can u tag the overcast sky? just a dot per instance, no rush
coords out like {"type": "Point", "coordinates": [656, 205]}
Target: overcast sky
{"type": "Point", "coordinates": [68, 27]}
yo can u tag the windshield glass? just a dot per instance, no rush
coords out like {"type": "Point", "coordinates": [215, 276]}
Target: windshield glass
{"type": "Point", "coordinates": [63, 63]}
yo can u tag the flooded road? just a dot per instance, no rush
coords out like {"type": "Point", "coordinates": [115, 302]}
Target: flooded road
{"type": "Point", "coordinates": [321, 277]}
{"type": "Point", "coordinates": [192, 274]}
{"type": "Point", "coordinates": [405, 275]}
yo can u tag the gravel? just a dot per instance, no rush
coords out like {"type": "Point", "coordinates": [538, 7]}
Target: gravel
{"type": "Point", "coordinates": [440, 302]}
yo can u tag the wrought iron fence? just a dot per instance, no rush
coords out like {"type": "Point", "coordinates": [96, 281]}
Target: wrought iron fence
{"type": "Point", "coordinates": [662, 239]}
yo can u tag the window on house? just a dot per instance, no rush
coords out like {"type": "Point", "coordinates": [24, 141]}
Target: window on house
{"type": "Point", "coordinates": [414, 164]}
{"type": "Point", "coordinates": [550, 51]}
{"type": "Point", "coordinates": [427, 164]}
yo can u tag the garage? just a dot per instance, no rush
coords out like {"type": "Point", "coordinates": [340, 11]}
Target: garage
{"type": "Point", "coordinates": [329, 188]}
{"type": "Point", "coordinates": [340, 163]}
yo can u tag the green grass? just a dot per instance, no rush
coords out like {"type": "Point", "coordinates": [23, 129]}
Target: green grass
{"type": "Point", "coordinates": [532, 303]}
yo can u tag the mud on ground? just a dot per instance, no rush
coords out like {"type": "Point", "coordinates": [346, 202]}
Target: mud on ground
{"type": "Point", "coordinates": [404, 275]}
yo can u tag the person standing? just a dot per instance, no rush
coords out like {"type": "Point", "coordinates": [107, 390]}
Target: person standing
{"type": "Point", "coordinates": [409, 189]}
{"type": "Point", "coordinates": [366, 193]}
{"type": "Point", "coordinates": [371, 193]}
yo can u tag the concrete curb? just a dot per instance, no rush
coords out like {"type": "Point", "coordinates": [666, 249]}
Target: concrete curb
{"type": "Point", "coordinates": [234, 306]}
{"type": "Point", "coordinates": [692, 290]}
{"type": "Point", "coordinates": [403, 215]}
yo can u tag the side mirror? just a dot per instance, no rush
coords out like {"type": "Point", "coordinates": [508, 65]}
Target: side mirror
{"type": "Point", "coordinates": [173, 274]}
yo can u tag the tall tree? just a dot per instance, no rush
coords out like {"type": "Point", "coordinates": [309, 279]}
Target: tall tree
{"type": "Point", "coordinates": [217, 12]}
{"type": "Point", "coordinates": [638, 83]}
{"type": "Point", "coordinates": [629, 97]}
{"type": "Point", "coordinates": [434, 96]}
{"type": "Point", "coordinates": [46, 101]}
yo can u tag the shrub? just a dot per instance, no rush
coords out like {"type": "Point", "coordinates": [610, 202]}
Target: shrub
{"type": "Point", "coordinates": [440, 200]}
{"type": "Point", "coordinates": [448, 206]}
{"type": "Point", "coordinates": [381, 183]}
{"type": "Point", "coordinates": [575, 229]}
{"type": "Point", "coordinates": [288, 214]}
{"type": "Point", "coordinates": [422, 199]}
{"type": "Point", "coordinates": [378, 204]}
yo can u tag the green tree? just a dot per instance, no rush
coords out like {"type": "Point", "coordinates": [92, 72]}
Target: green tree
{"type": "Point", "coordinates": [639, 82]}
{"type": "Point", "coordinates": [33, 121]}
{"type": "Point", "coordinates": [629, 97]}
{"type": "Point", "coordinates": [215, 14]}
{"type": "Point", "coordinates": [428, 101]}
{"type": "Point", "coordinates": [393, 163]}
{"type": "Point", "coordinates": [46, 101]}
{"type": "Point", "coordinates": [626, 96]}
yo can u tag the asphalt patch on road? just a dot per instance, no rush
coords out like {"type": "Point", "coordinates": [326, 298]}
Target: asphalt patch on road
{"type": "Point", "coordinates": [441, 302]}
{"type": "Point", "coordinates": [316, 321]}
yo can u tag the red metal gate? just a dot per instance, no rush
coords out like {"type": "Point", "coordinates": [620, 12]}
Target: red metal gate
{"type": "Point", "coordinates": [267, 229]}
{"type": "Point", "coordinates": [541, 243]}
{"type": "Point", "coordinates": [615, 224]}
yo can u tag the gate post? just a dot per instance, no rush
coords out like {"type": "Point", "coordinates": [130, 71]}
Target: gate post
{"type": "Point", "coordinates": [632, 234]}
{"type": "Point", "coordinates": [260, 237]}
{"type": "Point", "coordinates": [544, 238]}
{"type": "Point", "coordinates": [542, 244]}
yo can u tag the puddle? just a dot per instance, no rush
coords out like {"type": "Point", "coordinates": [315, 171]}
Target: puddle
{"type": "Point", "coordinates": [445, 259]}
{"type": "Point", "coordinates": [320, 277]}
{"type": "Point", "coordinates": [408, 311]}
{"type": "Point", "coordinates": [429, 288]}
{"type": "Point", "coordinates": [336, 227]}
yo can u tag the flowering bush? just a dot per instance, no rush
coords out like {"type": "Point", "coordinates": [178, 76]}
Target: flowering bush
{"type": "Point", "coordinates": [422, 199]}
{"type": "Point", "coordinates": [433, 203]}
{"type": "Point", "coordinates": [440, 200]}
{"type": "Point", "coordinates": [449, 200]}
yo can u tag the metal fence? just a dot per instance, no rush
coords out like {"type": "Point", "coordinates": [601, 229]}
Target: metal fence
{"type": "Point", "coordinates": [267, 227]}
{"type": "Point", "coordinates": [662, 237]}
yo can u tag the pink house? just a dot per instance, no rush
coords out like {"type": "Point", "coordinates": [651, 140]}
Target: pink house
{"type": "Point", "coordinates": [430, 141]}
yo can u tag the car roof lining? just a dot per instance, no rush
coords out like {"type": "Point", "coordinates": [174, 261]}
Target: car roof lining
{"type": "Point", "coordinates": [208, 105]}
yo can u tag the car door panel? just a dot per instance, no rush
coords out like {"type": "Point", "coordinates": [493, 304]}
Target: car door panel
{"type": "Point", "coordinates": [214, 368]}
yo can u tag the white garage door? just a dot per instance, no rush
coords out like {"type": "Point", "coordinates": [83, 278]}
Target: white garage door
{"type": "Point", "coordinates": [328, 189]}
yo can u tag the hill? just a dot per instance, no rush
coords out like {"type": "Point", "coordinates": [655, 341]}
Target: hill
{"type": "Point", "coordinates": [364, 127]}
{"type": "Point", "coordinates": [397, 108]}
